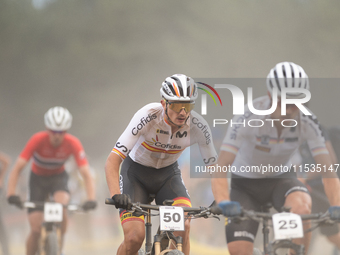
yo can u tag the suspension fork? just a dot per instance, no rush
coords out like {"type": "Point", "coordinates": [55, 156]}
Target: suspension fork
{"type": "Point", "coordinates": [265, 231]}
{"type": "Point", "coordinates": [148, 225]}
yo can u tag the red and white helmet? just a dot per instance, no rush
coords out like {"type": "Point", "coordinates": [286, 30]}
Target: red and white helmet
{"type": "Point", "coordinates": [179, 87]}
{"type": "Point", "coordinates": [58, 119]}
{"type": "Point", "coordinates": [288, 75]}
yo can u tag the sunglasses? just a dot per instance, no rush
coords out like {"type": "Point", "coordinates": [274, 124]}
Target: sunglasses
{"type": "Point", "coordinates": [178, 106]}
{"type": "Point", "coordinates": [57, 132]}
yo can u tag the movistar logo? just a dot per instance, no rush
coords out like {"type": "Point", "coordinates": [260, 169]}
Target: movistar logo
{"type": "Point", "coordinates": [204, 97]}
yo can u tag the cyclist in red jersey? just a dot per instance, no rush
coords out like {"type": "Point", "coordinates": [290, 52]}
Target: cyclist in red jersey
{"type": "Point", "coordinates": [49, 150]}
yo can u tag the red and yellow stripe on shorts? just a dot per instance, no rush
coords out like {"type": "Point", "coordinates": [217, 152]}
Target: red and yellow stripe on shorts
{"type": "Point", "coordinates": [182, 201]}
{"type": "Point", "coordinates": [128, 216]}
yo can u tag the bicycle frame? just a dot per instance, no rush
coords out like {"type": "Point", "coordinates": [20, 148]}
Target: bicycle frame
{"type": "Point", "coordinates": [165, 234]}
{"type": "Point", "coordinates": [270, 247]}
{"type": "Point", "coordinates": [161, 235]}
{"type": "Point", "coordinates": [50, 239]}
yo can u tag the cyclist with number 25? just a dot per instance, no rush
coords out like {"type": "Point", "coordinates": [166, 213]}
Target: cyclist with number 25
{"type": "Point", "coordinates": [49, 150]}
{"type": "Point", "coordinates": [149, 149]}
{"type": "Point", "coordinates": [271, 144]}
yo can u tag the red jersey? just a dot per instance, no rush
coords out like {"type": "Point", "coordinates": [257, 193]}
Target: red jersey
{"type": "Point", "coordinates": [49, 160]}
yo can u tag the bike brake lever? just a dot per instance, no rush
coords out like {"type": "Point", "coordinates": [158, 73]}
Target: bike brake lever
{"type": "Point", "coordinates": [137, 209]}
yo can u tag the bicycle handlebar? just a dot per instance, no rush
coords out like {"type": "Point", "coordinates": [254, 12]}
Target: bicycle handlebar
{"type": "Point", "coordinates": [259, 216]}
{"type": "Point", "coordinates": [193, 211]}
{"type": "Point", "coordinates": [40, 205]}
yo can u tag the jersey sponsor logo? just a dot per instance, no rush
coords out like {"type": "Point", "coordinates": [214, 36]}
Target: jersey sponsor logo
{"type": "Point", "coordinates": [238, 123]}
{"type": "Point", "coordinates": [203, 128]}
{"type": "Point", "coordinates": [265, 139]}
{"type": "Point", "coordinates": [178, 134]}
{"type": "Point", "coordinates": [160, 131]}
{"type": "Point", "coordinates": [291, 139]}
{"type": "Point", "coordinates": [163, 145]}
{"type": "Point", "coordinates": [210, 160]}
{"type": "Point", "coordinates": [125, 149]}
{"type": "Point", "coordinates": [143, 122]}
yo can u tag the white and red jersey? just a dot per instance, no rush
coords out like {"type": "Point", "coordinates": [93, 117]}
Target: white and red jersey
{"type": "Point", "coordinates": [49, 160]}
{"type": "Point", "coordinates": [149, 141]}
{"type": "Point", "coordinates": [256, 146]}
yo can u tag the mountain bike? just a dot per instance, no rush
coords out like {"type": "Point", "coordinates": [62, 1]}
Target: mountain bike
{"type": "Point", "coordinates": [286, 227]}
{"type": "Point", "coordinates": [50, 238]}
{"type": "Point", "coordinates": [171, 219]}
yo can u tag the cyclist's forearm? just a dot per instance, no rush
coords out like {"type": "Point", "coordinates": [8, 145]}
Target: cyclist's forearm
{"type": "Point", "coordinates": [14, 176]}
{"type": "Point", "coordinates": [89, 182]}
{"type": "Point", "coordinates": [220, 189]}
{"type": "Point", "coordinates": [12, 183]}
{"type": "Point", "coordinates": [332, 190]}
{"type": "Point", "coordinates": [219, 181]}
{"type": "Point", "coordinates": [112, 173]}
{"type": "Point", "coordinates": [330, 178]}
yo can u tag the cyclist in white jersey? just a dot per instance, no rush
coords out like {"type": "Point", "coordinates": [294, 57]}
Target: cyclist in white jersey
{"type": "Point", "coordinates": [149, 148]}
{"type": "Point", "coordinates": [250, 149]}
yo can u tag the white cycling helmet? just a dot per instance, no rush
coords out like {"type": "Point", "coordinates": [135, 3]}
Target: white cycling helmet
{"type": "Point", "coordinates": [179, 87]}
{"type": "Point", "coordinates": [289, 75]}
{"type": "Point", "coordinates": [58, 119]}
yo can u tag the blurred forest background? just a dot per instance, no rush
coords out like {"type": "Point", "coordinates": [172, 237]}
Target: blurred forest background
{"type": "Point", "coordinates": [105, 59]}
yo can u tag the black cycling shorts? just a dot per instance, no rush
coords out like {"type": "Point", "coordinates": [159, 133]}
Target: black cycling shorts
{"type": "Point", "coordinates": [43, 186]}
{"type": "Point", "coordinates": [252, 194]}
{"type": "Point", "coordinates": [321, 204]}
{"type": "Point", "coordinates": [140, 181]}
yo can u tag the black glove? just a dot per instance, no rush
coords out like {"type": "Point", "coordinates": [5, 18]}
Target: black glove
{"type": "Point", "coordinates": [122, 201]}
{"type": "Point", "coordinates": [15, 200]}
{"type": "Point", "coordinates": [89, 205]}
{"type": "Point", "coordinates": [230, 208]}
{"type": "Point", "coordinates": [334, 212]}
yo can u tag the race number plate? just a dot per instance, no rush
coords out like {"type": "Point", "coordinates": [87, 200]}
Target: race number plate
{"type": "Point", "coordinates": [287, 226]}
{"type": "Point", "coordinates": [171, 218]}
{"type": "Point", "coordinates": [53, 212]}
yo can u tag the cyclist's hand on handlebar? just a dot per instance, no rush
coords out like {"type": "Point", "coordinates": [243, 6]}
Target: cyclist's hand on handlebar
{"type": "Point", "coordinates": [122, 201]}
{"type": "Point", "coordinates": [15, 200]}
{"type": "Point", "coordinates": [334, 212]}
{"type": "Point", "coordinates": [89, 205]}
{"type": "Point", "coordinates": [230, 208]}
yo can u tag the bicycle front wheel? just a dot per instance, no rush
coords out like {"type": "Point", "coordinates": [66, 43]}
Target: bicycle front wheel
{"type": "Point", "coordinates": [51, 244]}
